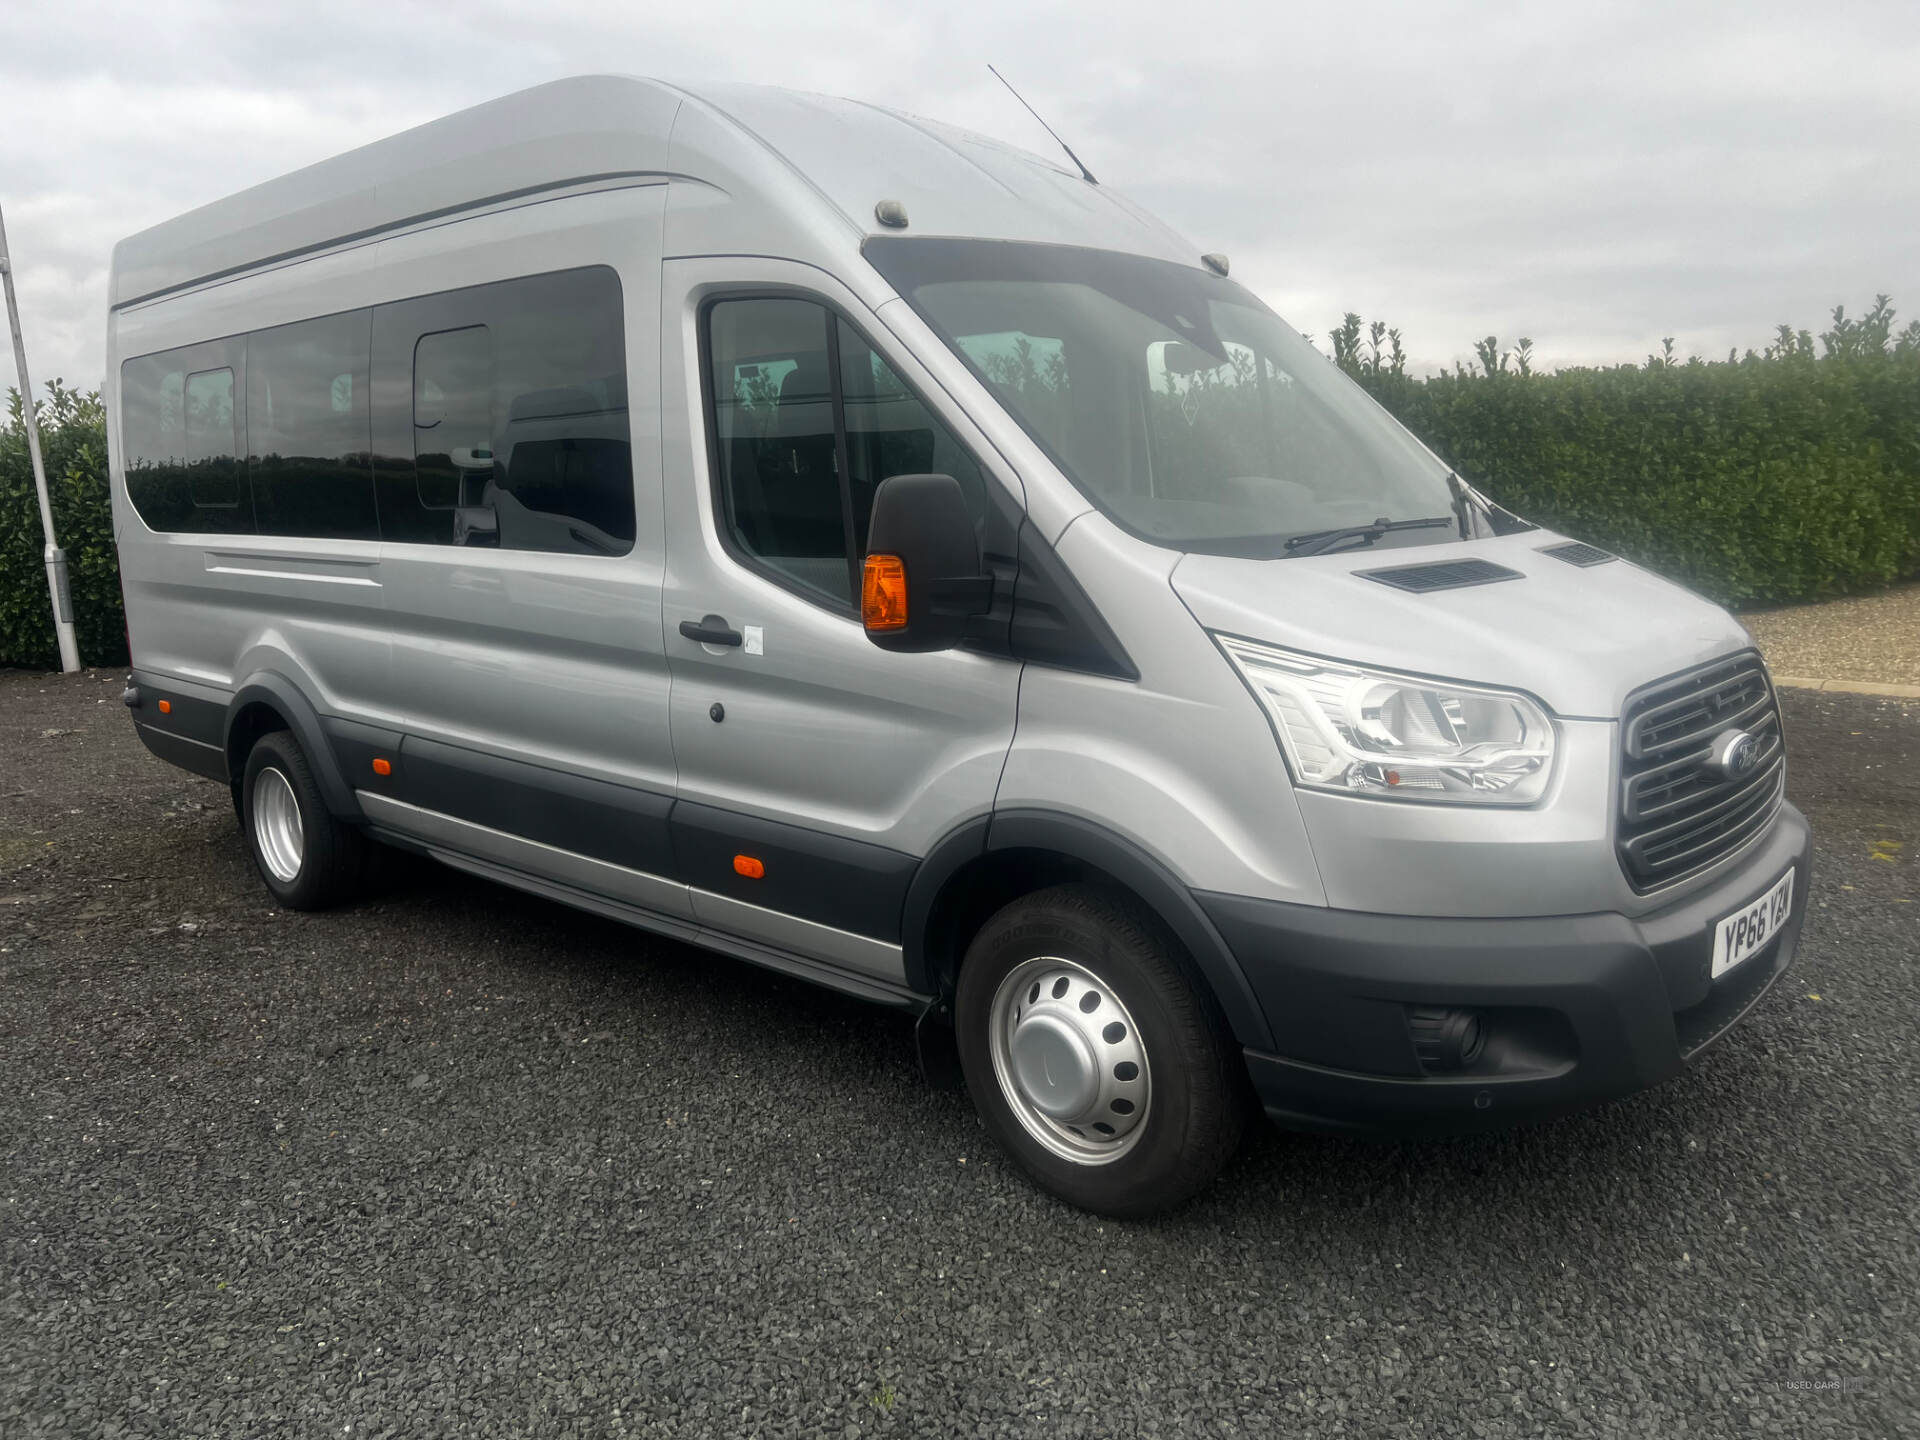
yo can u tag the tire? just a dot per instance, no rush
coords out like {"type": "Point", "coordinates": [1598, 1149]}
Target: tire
{"type": "Point", "coordinates": [1084, 982]}
{"type": "Point", "coordinates": [309, 860]}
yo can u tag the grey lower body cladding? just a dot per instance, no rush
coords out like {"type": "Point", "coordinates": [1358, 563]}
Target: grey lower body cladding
{"type": "Point", "coordinates": [824, 879]}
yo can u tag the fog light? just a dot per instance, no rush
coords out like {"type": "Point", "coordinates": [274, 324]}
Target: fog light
{"type": "Point", "coordinates": [1445, 1038]}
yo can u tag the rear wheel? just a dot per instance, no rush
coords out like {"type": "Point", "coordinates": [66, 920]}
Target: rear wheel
{"type": "Point", "coordinates": [309, 859]}
{"type": "Point", "coordinates": [1093, 1058]}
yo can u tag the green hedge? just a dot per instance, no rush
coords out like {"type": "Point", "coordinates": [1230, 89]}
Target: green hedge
{"type": "Point", "coordinates": [73, 443]}
{"type": "Point", "coordinates": [1776, 476]}
{"type": "Point", "coordinates": [1788, 474]}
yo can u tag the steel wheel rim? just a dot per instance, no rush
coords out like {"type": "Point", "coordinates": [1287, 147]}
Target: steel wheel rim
{"type": "Point", "coordinates": [278, 832]}
{"type": "Point", "coordinates": [1069, 1060]}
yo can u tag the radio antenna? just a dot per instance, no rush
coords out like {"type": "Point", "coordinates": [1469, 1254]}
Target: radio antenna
{"type": "Point", "coordinates": [1085, 173]}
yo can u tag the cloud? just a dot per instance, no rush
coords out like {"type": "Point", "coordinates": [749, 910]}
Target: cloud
{"type": "Point", "coordinates": [1594, 177]}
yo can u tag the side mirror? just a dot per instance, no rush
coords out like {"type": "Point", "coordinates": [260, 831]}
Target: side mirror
{"type": "Point", "coordinates": [924, 577]}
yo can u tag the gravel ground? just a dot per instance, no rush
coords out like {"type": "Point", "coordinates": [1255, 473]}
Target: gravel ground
{"type": "Point", "coordinates": [462, 1161]}
{"type": "Point", "coordinates": [1871, 638]}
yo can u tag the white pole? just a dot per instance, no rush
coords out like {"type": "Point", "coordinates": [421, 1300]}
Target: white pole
{"type": "Point", "coordinates": [56, 557]}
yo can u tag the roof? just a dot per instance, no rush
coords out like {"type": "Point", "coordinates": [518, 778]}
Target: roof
{"type": "Point", "coordinates": [838, 157]}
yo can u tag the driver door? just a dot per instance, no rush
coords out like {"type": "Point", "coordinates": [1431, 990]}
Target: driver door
{"type": "Point", "coordinates": [814, 769]}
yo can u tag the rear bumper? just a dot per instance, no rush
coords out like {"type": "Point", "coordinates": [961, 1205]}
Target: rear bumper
{"type": "Point", "coordinates": [192, 731]}
{"type": "Point", "coordinates": [1578, 1009]}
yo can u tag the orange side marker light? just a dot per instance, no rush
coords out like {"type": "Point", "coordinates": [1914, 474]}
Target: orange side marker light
{"type": "Point", "coordinates": [382, 765]}
{"type": "Point", "coordinates": [883, 593]}
{"type": "Point", "coordinates": [166, 707]}
{"type": "Point", "coordinates": [748, 866]}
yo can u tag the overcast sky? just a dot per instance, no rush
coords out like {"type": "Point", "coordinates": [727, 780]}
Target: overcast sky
{"type": "Point", "coordinates": [1596, 176]}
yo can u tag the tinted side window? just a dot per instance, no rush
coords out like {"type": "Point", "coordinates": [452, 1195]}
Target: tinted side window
{"type": "Point", "coordinates": [501, 416]}
{"type": "Point", "coordinates": [153, 440]}
{"type": "Point", "coordinates": [181, 418]}
{"type": "Point", "coordinates": [773, 403]}
{"type": "Point", "coordinates": [889, 432]}
{"type": "Point", "coordinates": [799, 396]}
{"type": "Point", "coordinates": [453, 417]}
{"type": "Point", "coordinates": [307, 429]}
{"type": "Point", "coordinates": [211, 438]}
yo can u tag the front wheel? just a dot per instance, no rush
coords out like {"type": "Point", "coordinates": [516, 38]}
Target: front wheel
{"type": "Point", "coordinates": [1095, 1061]}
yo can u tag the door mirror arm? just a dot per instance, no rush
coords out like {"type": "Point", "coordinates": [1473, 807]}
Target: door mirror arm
{"type": "Point", "coordinates": [962, 595]}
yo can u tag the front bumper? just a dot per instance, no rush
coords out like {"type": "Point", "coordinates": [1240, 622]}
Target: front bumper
{"type": "Point", "coordinates": [1578, 1009]}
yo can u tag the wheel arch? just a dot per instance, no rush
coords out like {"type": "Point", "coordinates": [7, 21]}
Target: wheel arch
{"type": "Point", "coordinates": [993, 860]}
{"type": "Point", "coordinates": [268, 702]}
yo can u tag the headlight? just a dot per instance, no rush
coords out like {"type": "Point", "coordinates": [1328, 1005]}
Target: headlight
{"type": "Point", "coordinates": [1372, 732]}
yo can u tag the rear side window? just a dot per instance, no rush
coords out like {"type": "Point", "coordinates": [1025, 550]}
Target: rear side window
{"type": "Point", "coordinates": [212, 442]}
{"type": "Point", "coordinates": [182, 420]}
{"type": "Point", "coordinates": [492, 416]}
{"type": "Point", "coordinates": [453, 417]}
{"type": "Point", "coordinates": [501, 416]}
{"type": "Point", "coordinates": [308, 429]}
{"type": "Point", "coordinates": [807, 420]}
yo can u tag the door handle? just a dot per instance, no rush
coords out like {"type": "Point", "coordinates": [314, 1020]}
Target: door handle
{"type": "Point", "coordinates": [710, 630]}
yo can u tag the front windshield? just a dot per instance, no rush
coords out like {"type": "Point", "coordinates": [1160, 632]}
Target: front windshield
{"type": "Point", "coordinates": [1176, 401]}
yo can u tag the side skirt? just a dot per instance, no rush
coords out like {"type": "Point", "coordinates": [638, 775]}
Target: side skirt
{"type": "Point", "coordinates": [437, 835]}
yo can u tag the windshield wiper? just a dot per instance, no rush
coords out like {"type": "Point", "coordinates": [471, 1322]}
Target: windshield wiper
{"type": "Point", "coordinates": [1498, 519]}
{"type": "Point", "coordinates": [1463, 498]}
{"type": "Point", "coordinates": [1316, 541]}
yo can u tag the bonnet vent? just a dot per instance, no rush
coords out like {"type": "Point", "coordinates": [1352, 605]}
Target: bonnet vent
{"type": "Point", "coordinates": [1578, 552]}
{"type": "Point", "coordinates": [1441, 575]}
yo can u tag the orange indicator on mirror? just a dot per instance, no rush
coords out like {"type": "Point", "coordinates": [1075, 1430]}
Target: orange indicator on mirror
{"type": "Point", "coordinates": [883, 593]}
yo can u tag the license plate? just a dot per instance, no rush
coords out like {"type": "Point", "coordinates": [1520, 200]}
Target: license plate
{"type": "Point", "coordinates": [1749, 928]}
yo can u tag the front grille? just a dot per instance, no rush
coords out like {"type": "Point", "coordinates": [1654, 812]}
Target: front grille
{"type": "Point", "coordinates": [1678, 813]}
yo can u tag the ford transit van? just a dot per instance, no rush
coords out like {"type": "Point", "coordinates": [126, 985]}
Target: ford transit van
{"type": "Point", "coordinates": [891, 558]}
